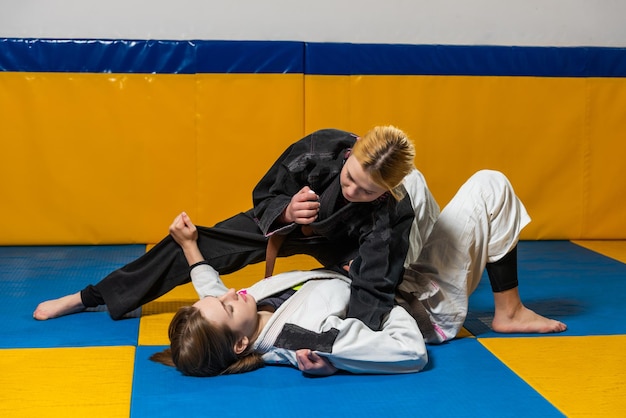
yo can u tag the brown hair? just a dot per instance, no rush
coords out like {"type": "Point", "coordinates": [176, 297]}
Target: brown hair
{"type": "Point", "coordinates": [201, 348]}
{"type": "Point", "coordinates": [387, 155]}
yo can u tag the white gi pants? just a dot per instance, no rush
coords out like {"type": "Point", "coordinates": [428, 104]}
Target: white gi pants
{"type": "Point", "coordinates": [480, 225]}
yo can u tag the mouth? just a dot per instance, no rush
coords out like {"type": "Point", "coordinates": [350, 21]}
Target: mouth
{"type": "Point", "coordinates": [244, 294]}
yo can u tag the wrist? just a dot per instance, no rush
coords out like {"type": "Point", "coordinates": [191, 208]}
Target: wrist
{"type": "Point", "coordinates": [192, 254]}
{"type": "Point", "coordinates": [284, 218]}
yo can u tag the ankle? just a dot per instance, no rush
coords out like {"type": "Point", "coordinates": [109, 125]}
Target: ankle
{"type": "Point", "coordinates": [508, 303]}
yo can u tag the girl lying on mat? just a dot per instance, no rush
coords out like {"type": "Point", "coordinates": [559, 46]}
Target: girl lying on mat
{"type": "Point", "coordinates": [296, 318]}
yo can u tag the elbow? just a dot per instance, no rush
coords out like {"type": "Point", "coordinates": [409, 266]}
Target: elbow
{"type": "Point", "coordinates": [423, 362]}
{"type": "Point", "coordinates": [419, 360]}
{"type": "Point", "coordinates": [412, 361]}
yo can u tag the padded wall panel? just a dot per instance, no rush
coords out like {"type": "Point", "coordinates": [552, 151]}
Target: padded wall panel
{"type": "Point", "coordinates": [94, 158]}
{"type": "Point", "coordinates": [328, 103]}
{"type": "Point", "coordinates": [245, 121]}
{"type": "Point", "coordinates": [532, 129]}
{"type": "Point", "coordinates": [605, 155]}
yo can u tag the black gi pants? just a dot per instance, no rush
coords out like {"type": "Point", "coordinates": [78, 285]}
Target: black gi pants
{"type": "Point", "coordinates": [228, 246]}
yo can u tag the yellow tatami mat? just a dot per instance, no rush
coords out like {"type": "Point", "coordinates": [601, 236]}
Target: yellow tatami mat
{"type": "Point", "coordinates": [66, 382]}
{"type": "Point", "coordinates": [581, 376]}
{"type": "Point", "coordinates": [613, 249]}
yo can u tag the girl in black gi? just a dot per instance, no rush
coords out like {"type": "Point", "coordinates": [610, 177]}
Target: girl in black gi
{"type": "Point", "coordinates": [328, 195]}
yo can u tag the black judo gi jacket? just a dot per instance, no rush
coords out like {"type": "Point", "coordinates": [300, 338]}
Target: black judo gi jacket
{"type": "Point", "coordinates": [374, 235]}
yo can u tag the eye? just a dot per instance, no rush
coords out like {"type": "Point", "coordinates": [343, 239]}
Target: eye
{"type": "Point", "coordinates": [228, 308]}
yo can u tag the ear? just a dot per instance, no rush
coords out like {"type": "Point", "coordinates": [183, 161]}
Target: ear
{"type": "Point", "coordinates": [241, 345]}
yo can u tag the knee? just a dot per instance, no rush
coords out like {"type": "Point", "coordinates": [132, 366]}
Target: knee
{"type": "Point", "coordinates": [493, 187]}
{"type": "Point", "coordinates": [492, 179]}
{"type": "Point", "coordinates": [489, 176]}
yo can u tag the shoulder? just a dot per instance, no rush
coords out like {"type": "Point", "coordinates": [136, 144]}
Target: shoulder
{"type": "Point", "coordinates": [332, 133]}
{"type": "Point", "coordinates": [320, 148]}
{"type": "Point", "coordinates": [330, 139]}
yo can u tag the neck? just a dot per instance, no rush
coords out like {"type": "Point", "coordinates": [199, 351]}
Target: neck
{"type": "Point", "coordinates": [263, 318]}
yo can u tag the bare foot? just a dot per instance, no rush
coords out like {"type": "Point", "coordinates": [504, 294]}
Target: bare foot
{"type": "Point", "coordinates": [523, 320]}
{"type": "Point", "coordinates": [58, 307]}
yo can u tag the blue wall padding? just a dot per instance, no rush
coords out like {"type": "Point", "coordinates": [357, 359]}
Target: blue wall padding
{"type": "Point", "coordinates": [249, 57]}
{"type": "Point", "coordinates": [97, 56]}
{"type": "Point", "coordinates": [157, 57]}
{"type": "Point", "coordinates": [383, 59]}
{"type": "Point", "coordinates": [196, 56]}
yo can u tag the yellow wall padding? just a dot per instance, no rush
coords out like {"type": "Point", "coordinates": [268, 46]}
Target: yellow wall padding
{"type": "Point", "coordinates": [605, 156]}
{"type": "Point", "coordinates": [93, 158]}
{"type": "Point", "coordinates": [245, 121]}
{"type": "Point", "coordinates": [559, 140]}
{"type": "Point", "coordinates": [108, 158]}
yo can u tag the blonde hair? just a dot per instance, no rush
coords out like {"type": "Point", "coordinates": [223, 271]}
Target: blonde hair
{"type": "Point", "coordinates": [387, 154]}
{"type": "Point", "coordinates": [201, 348]}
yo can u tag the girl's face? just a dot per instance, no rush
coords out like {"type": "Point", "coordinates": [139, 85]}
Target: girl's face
{"type": "Point", "coordinates": [356, 184]}
{"type": "Point", "coordinates": [238, 311]}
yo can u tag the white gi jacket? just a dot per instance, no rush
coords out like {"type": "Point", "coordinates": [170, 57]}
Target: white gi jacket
{"type": "Point", "coordinates": [314, 318]}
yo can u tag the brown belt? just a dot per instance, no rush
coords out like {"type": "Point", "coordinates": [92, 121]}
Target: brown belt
{"type": "Point", "coordinates": [273, 245]}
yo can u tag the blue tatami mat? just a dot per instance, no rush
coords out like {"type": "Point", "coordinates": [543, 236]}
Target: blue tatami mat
{"type": "Point", "coordinates": [29, 275]}
{"type": "Point", "coordinates": [460, 382]}
{"type": "Point", "coordinates": [563, 281]}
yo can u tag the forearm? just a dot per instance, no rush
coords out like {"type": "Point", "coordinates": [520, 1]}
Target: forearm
{"type": "Point", "coordinates": [207, 281]}
{"type": "Point", "coordinates": [192, 253]}
{"type": "Point", "coordinates": [269, 213]}
{"type": "Point", "coordinates": [375, 275]}
{"type": "Point", "coordinates": [378, 269]}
